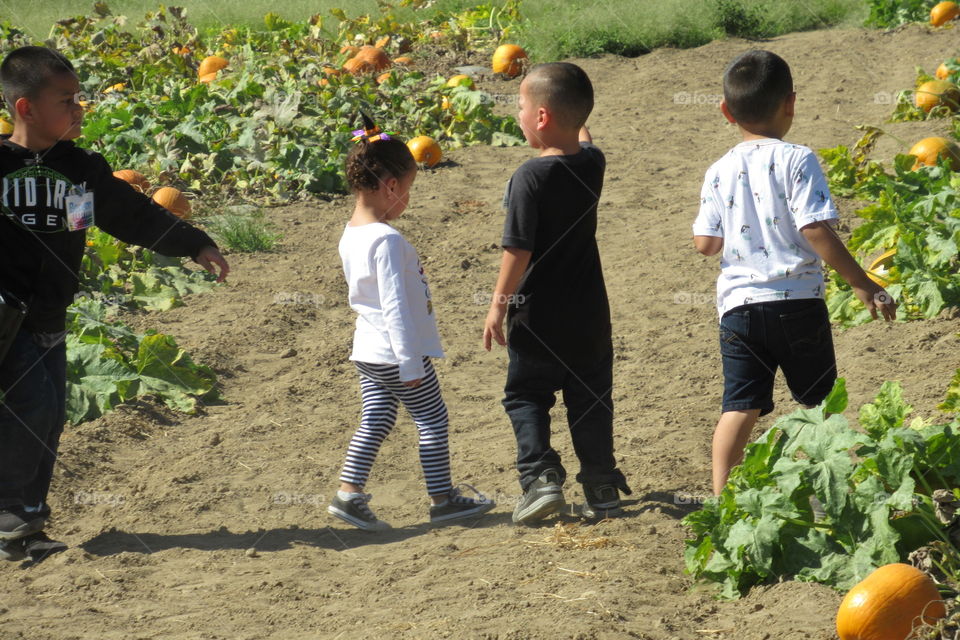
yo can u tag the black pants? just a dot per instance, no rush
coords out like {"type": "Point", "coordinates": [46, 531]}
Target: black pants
{"type": "Point", "coordinates": [530, 393]}
{"type": "Point", "coordinates": [33, 383]}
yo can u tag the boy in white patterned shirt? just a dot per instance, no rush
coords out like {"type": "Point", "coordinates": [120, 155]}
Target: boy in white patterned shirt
{"type": "Point", "coordinates": [766, 206]}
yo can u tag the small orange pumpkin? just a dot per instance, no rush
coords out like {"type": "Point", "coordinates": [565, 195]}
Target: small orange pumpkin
{"type": "Point", "coordinates": [209, 77]}
{"type": "Point", "coordinates": [509, 59]}
{"type": "Point", "coordinates": [944, 13]}
{"type": "Point", "coordinates": [382, 42]}
{"type": "Point", "coordinates": [211, 64]}
{"type": "Point", "coordinates": [935, 93]}
{"type": "Point", "coordinates": [173, 200]}
{"type": "Point", "coordinates": [460, 80]}
{"type": "Point", "coordinates": [404, 60]}
{"type": "Point", "coordinates": [425, 150]}
{"type": "Point", "coordinates": [929, 150]}
{"type": "Point", "coordinates": [350, 50]}
{"type": "Point", "coordinates": [134, 178]}
{"type": "Point", "coordinates": [383, 77]}
{"type": "Point", "coordinates": [887, 604]}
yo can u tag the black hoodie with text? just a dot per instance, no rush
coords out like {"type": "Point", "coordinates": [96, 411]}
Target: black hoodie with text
{"type": "Point", "coordinates": [39, 255]}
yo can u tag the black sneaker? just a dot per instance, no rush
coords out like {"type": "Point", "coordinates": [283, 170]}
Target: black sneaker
{"type": "Point", "coordinates": [39, 546]}
{"type": "Point", "coordinates": [355, 510]}
{"type": "Point", "coordinates": [543, 497]}
{"type": "Point", "coordinates": [15, 523]}
{"type": "Point", "coordinates": [601, 501]}
{"type": "Point", "coordinates": [12, 550]}
{"type": "Point", "coordinates": [460, 506]}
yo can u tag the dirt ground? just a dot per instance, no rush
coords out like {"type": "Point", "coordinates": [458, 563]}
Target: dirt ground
{"type": "Point", "coordinates": [161, 511]}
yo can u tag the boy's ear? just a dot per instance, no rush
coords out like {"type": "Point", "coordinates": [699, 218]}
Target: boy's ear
{"type": "Point", "coordinates": [790, 103]}
{"type": "Point", "coordinates": [22, 109]}
{"type": "Point", "coordinates": [725, 110]}
{"type": "Point", "coordinates": [544, 118]}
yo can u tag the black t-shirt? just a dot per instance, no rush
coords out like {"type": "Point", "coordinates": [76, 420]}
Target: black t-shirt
{"type": "Point", "coordinates": [561, 305]}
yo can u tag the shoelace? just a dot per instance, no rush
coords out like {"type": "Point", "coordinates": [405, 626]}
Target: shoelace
{"type": "Point", "coordinates": [456, 497]}
{"type": "Point", "coordinates": [360, 501]}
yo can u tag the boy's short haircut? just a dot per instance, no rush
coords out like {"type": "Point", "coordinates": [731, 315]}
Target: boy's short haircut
{"type": "Point", "coordinates": [27, 70]}
{"type": "Point", "coordinates": [565, 89]}
{"type": "Point", "coordinates": [755, 84]}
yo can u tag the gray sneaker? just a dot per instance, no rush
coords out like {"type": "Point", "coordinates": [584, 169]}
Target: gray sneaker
{"type": "Point", "coordinates": [12, 550]}
{"type": "Point", "coordinates": [543, 497]}
{"type": "Point", "coordinates": [355, 510]}
{"type": "Point", "coordinates": [16, 522]}
{"type": "Point", "coordinates": [459, 506]}
{"type": "Point", "coordinates": [601, 501]}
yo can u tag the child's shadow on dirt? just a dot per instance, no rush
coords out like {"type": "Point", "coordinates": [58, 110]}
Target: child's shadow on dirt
{"type": "Point", "coordinates": [335, 539]}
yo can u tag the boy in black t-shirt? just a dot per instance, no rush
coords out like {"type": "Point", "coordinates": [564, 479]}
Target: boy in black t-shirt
{"type": "Point", "coordinates": [551, 290]}
{"type": "Point", "coordinates": [53, 190]}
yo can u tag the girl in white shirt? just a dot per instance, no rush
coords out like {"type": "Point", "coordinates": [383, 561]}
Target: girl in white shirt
{"type": "Point", "coordinates": [395, 336]}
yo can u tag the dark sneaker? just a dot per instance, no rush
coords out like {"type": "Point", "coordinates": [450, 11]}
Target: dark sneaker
{"type": "Point", "coordinates": [355, 510]}
{"type": "Point", "coordinates": [39, 546]}
{"type": "Point", "coordinates": [15, 523]}
{"type": "Point", "coordinates": [12, 550]}
{"type": "Point", "coordinates": [460, 506]}
{"type": "Point", "coordinates": [601, 501]}
{"type": "Point", "coordinates": [543, 497]}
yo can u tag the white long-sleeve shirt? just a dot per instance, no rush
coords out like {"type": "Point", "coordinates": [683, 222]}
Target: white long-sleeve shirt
{"type": "Point", "coordinates": [389, 292]}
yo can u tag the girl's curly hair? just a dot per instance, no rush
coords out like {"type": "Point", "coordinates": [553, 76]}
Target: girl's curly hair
{"type": "Point", "coordinates": [370, 163]}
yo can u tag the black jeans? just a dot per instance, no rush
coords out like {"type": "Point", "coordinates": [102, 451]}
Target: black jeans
{"type": "Point", "coordinates": [532, 382]}
{"type": "Point", "coordinates": [33, 382]}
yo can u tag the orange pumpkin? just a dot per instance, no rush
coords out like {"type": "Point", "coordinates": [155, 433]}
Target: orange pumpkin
{"type": "Point", "coordinates": [350, 50]}
{"type": "Point", "coordinates": [404, 60]}
{"type": "Point", "coordinates": [944, 13]}
{"type": "Point", "coordinates": [425, 150]}
{"type": "Point", "coordinates": [174, 201]}
{"type": "Point", "coordinates": [211, 64]}
{"type": "Point", "coordinates": [374, 57]}
{"type": "Point", "coordinates": [935, 93]}
{"type": "Point", "coordinates": [382, 42]}
{"type": "Point", "coordinates": [460, 80]}
{"type": "Point", "coordinates": [509, 59]}
{"type": "Point", "coordinates": [134, 178]}
{"type": "Point", "coordinates": [208, 77]}
{"type": "Point", "coordinates": [887, 604]}
{"type": "Point", "coordinates": [357, 66]}
{"type": "Point", "coordinates": [929, 150]}
{"type": "Point", "coordinates": [383, 77]}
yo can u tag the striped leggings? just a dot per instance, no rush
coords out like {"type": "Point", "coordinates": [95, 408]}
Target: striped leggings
{"type": "Point", "coordinates": [382, 392]}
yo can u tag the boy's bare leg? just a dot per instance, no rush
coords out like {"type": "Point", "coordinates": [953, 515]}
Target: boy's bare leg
{"type": "Point", "coordinates": [729, 439]}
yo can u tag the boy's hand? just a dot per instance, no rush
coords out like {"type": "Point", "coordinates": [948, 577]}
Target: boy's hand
{"type": "Point", "coordinates": [828, 246]}
{"type": "Point", "coordinates": [210, 256]}
{"type": "Point", "coordinates": [876, 298]}
{"type": "Point", "coordinates": [493, 327]}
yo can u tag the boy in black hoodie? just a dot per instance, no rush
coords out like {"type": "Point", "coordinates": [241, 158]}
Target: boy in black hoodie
{"type": "Point", "coordinates": [51, 191]}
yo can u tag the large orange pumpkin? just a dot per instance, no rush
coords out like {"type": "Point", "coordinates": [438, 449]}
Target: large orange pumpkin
{"type": "Point", "coordinates": [425, 150]}
{"type": "Point", "coordinates": [357, 66]}
{"type": "Point", "coordinates": [174, 201]}
{"type": "Point", "coordinates": [944, 13]}
{"type": "Point", "coordinates": [375, 57]}
{"type": "Point", "coordinates": [134, 178]}
{"type": "Point", "coordinates": [935, 93]}
{"type": "Point", "coordinates": [211, 64]}
{"type": "Point", "coordinates": [929, 150]}
{"type": "Point", "coordinates": [509, 59]}
{"type": "Point", "coordinates": [888, 603]}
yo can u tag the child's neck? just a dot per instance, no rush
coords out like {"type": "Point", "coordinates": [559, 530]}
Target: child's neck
{"type": "Point", "coordinates": [559, 145]}
{"type": "Point", "coordinates": [28, 140]}
{"type": "Point", "coordinates": [364, 213]}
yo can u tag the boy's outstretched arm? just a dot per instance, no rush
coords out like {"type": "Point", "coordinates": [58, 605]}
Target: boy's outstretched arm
{"type": "Point", "coordinates": [512, 267]}
{"type": "Point", "coordinates": [828, 246]}
{"type": "Point", "coordinates": [708, 245]}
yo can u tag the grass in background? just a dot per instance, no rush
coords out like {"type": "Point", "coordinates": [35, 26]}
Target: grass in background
{"type": "Point", "coordinates": [551, 30]}
{"type": "Point", "coordinates": [243, 229]}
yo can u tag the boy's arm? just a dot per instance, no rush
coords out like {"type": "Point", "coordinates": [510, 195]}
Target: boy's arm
{"type": "Point", "coordinates": [585, 134]}
{"type": "Point", "coordinates": [708, 245]}
{"type": "Point", "coordinates": [512, 267]}
{"type": "Point", "coordinates": [828, 246]}
{"type": "Point", "coordinates": [132, 217]}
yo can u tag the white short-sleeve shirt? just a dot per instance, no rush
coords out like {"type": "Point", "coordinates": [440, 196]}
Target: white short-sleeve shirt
{"type": "Point", "coordinates": [757, 197]}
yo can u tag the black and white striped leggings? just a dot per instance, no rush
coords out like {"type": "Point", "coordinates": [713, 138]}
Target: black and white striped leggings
{"type": "Point", "coordinates": [382, 392]}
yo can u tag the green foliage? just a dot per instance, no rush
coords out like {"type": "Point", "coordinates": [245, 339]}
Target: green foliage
{"type": "Point", "coordinates": [874, 488]}
{"type": "Point", "coordinates": [118, 273]}
{"type": "Point", "coordinates": [737, 19]}
{"type": "Point", "coordinates": [108, 364]}
{"type": "Point", "coordinates": [893, 13]}
{"type": "Point", "coordinates": [265, 126]}
{"type": "Point", "coordinates": [917, 212]}
{"type": "Point", "coordinates": [243, 231]}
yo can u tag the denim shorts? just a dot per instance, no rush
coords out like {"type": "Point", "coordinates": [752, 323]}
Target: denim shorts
{"type": "Point", "coordinates": [756, 339]}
